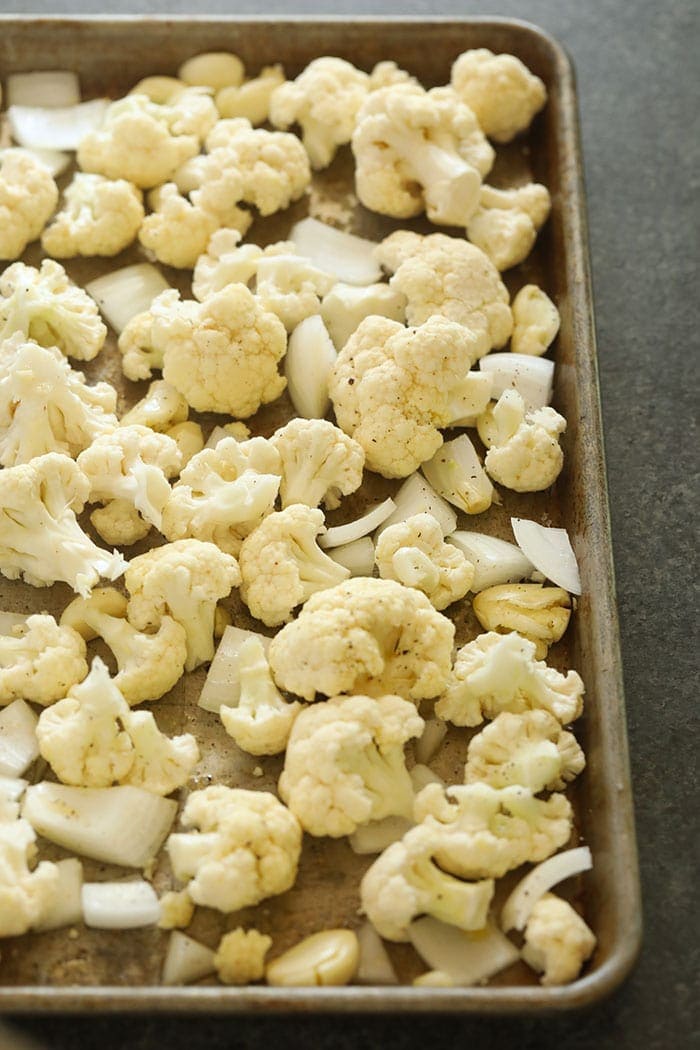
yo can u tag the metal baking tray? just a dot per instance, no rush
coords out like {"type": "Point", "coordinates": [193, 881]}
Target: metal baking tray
{"type": "Point", "coordinates": [102, 970]}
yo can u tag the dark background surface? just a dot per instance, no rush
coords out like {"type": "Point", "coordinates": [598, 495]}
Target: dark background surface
{"type": "Point", "coordinates": [638, 89]}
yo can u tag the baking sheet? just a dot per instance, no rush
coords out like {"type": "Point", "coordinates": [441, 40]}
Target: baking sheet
{"type": "Point", "coordinates": [121, 970]}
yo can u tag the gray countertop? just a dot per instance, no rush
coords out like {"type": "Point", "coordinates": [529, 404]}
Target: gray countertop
{"type": "Point", "coordinates": [636, 65]}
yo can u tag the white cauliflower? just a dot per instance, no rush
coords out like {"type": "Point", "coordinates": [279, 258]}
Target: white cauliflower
{"type": "Point", "coordinates": [246, 849]}
{"type": "Point", "coordinates": [28, 196]}
{"type": "Point", "coordinates": [324, 101]}
{"type": "Point", "coordinates": [364, 636]}
{"type": "Point", "coordinates": [448, 276]}
{"type": "Point", "coordinates": [506, 223]}
{"type": "Point", "coordinates": [282, 565]}
{"type": "Point", "coordinates": [224, 493]}
{"type": "Point", "coordinates": [346, 305]}
{"type": "Point", "coordinates": [387, 73]}
{"type": "Point", "coordinates": [557, 941]}
{"type": "Point", "coordinates": [345, 763]}
{"type": "Point", "coordinates": [148, 664]}
{"type": "Point", "coordinates": [99, 217]}
{"type": "Point", "coordinates": [24, 894]}
{"type": "Point", "coordinates": [496, 673]}
{"type": "Point", "coordinates": [290, 287]}
{"type": "Point", "coordinates": [40, 538]}
{"type": "Point", "coordinates": [184, 580]}
{"type": "Point", "coordinates": [392, 388]}
{"type": "Point", "coordinates": [227, 261]}
{"type": "Point", "coordinates": [161, 408]}
{"type": "Point", "coordinates": [240, 957]}
{"type": "Point", "coordinates": [405, 882]}
{"type": "Point", "coordinates": [252, 98]}
{"type": "Point", "coordinates": [119, 523]}
{"type": "Point", "coordinates": [44, 305]}
{"type": "Point", "coordinates": [501, 91]}
{"type": "Point", "coordinates": [319, 463]}
{"type": "Point", "coordinates": [176, 910]}
{"type": "Point", "coordinates": [535, 321]}
{"type": "Point", "coordinates": [413, 553]}
{"type": "Point", "coordinates": [526, 455]}
{"type": "Point", "coordinates": [162, 764]}
{"type": "Point", "coordinates": [419, 150]}
{"type": "Point", "coordinates": [530, 749]}
{"type": "Point", "coordinates": [262, 721]}
{"type": "Point", "coordinates": [46, 406]}
{"type": "Point", "coordinates": [40, 661]}
{"type": "Point", "coordinates": [540, 614]}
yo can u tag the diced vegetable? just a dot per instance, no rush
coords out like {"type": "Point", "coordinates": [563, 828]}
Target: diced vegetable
{"type": "Point", "coordinates": [348, 258]}
{"type": "Point", "coordinates": [550, 551]}
{"type": "Point", "coordinates": [66, 907]}
{"type": "Point", "coordinates": [516, 910]}
{"type": "Point", "coordinates": [375, 965]}
{"type": "Point", "coordinates": [456, 473]}
{"type": "Point", "coordinates": [186, 960]}
{"type": "Point", "coordinates": [222, 685]}
{"type": "Point", "coordinates": [307, 364]}
{"type": "Point", "coordinates": [468, 958]}
{"type": "Point", "coordinates": [122, 905]}
{"type": "Point", "coordinates": [416, 496]}
{"type": "Point", "coordinates": [19, 746]}
{"type": "Point", "coordinates": [531, 376]}
{"type": "Point", "coordinates": [357, 556]}
{"type": "Point", "coordinates": [430, 742]}
{"type": "Point", "coordinates": [52, 89]}
{"type": "Point", "coordinates": [340, 535]}
{"type": "Point", "coordinates": [125, 293]}
{"type": "Point", "coordinates": [41, 127]}
{"type": "Point", "coordinates": [376, 836]}
{"type": "Point", "coordinates": [495, 561]}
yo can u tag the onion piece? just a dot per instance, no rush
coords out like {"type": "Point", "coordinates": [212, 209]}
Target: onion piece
{"type": "Point", "coordinates": [422, 775]}
{"type": "Point", "coordinates": [307, 365]}
{"type": "Point", "coordinates": [47, 89]}
{"type": "Point", "coordinates": [223, 684]}
{"type": "Point", "coordinates": [10, 620]}
{"type": "Point", "coordinates": [357, 556]}
{"type": "Point", "coordinates": [378, 834]}
{"type": "Point", "coordinates": [467, 958]}
{"type": "Point", "coordinates": [40, 127]}
{"type": "Point", "coordinates": [65, 906]}
{"type": "Point", "coordinates": [340, 535]}
{"type": "Point", "coordinates": [99, 822]}
{"type": "Point", "coordinates": [347, 257]}
{"type": "Point", "coordinates": [186, 960]}
{"type": "Point", "coordinates": [517, 909]}
{"type": "Point", "coordinates": [124, 905]}
{"type": "Point", "coordinates": [550, 551]}
{"type": "Point", "coordinates": [472, 400]}
{"type": "Point", "coordinates": [456, 474]}
{"type": "Point", "coordinates": [495, 561]}
{"type": "Point", "coordinates": [428, 745]}
{"type": "Point", "coordinates": [19, 746]}
{"type": "Point", "coordinates": [125, 293]}
{"type": "Point", "coordinates": [416, 496]}
{"type": "Point", "coordinates": [375, 965]}
{"type": "Point", "coordinates": [531, 376]}
{"type": "Point", "coordinates": [11, 791]}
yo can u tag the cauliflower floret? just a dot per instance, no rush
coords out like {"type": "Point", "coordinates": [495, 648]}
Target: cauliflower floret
{"type": "Point", "coordinates": [319, 463]}
{"type": "Point", "coordinates": [557, 940]}
{"type": "Point", "coordinates": [46, 406]}
{"type": "Point", "coordinates": [44, 305]}
{"type": "Point", "coordinates": [414, 553]}
{"type": "Point", "coordinates": [364, 636]}
{"type": "Point", "coordinates": [148, 664]}
{"type": "Point", "coordinates": [405, 882]}
{"type": "Point", "coordinates": [162, 408]}
{"type": "Point", "coordinates": [262, 721]}
{"type": "Point", "coordinates": [506, 223]}
{"type": "Point", "coordinates": [448, 276]}
{"type": "Point", "coordinates": [177, 231]}
{"type": "Point", "coordinates": [144, 142]}
{"type": "Point", "coordinates": [240, 957]}
{"type": "Point", "coordinates": [40, 538]}
{"type": "Point", "coordinates": [324, 100]}
{"type": "Point", "coordinates": [227, 261]}
{"type": "Point", "coordinates": [535, 321]}
{"type": "Point", "coordinates": [530, 749]}
{"type": "Point", "coordinates": [526, 455]}
{"type": "Point", "coordinates": [247, 847]}
{"type": "Point", "coordinates": [346, 305]}
{"type": "Point", "coordinates": [40, 661]}
{"type": "Point", "coordinates": [419, 150]}
{"type": "Point", "coordinates": [282, 565]}
{"type": "Point", "coordinates": [501, 91]}
{"type": "Point", "coordinates": [119, 523]}
{"type": "Point", "coordinates": [24, 894]}
{"type": "Point", "coordinates": [99, 217]}
{"type": "Point", "coordinates": [540, 614]}
{"type": "Point", "coordinates": [387, 73]}
{"type": "Point", "coordinates": [496, 673]}
{"type": "Point", "coordinates": [28, 196]}
{"type": "Point", "coordinates": [161, 764]}
{"type": "Point", "coordinates": [184, 580]}
{"type": "Point", "coordinates": [176, 910]}
{"type": "Point", "coordinates": [136, 343]}
{"type": "Point", "coordinates": [345, 763]}
{"type": "Point", "coordinates": [392, 388]}
{"type": "Point", "coordinates": [482, 832]}
{"type": "Point", "coordinates": [290, 287]}
{"type": "Point", "coordinates": [224, 493]}
{"type": "Point", "coordinates": [251, 99]}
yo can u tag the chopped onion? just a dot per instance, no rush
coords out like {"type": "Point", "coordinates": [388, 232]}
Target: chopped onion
{"type": "Point", "coordinates": [340, 535]}
{"type": "Point", "coordinates": [531, 376]}
{"type": "Point", "coordinates": [307, 365]}
{"type": "Point", "coordinates": [416, 496]}
{"type": "Point", "coordinates": [495, 561]}
{"type": "Point", "coordinates": [472, 400]}
{"type": "Point", "coordinates": [65, 907]}
{"type": "Point", "coordinates": [467, 958]}
{"type": "Point", "coordinates": [19, 746]}
{"type": "Point", "coordinates": [125, 293]}
{"type": "Point", "coordinates": [186, 960]}
{"type": "Point", "coordinates": [40, 127]}
{"type": "Point", "coordinates": [375, 965]}
{"type": "Point", "coordinates": [357, 556]}
{"type": "Point", "coordinates": [456, 473]}
{"type": "Point", "coordinates": [100, 822]}
{"type": "Point", "coordinates": [550, 551]}
{"type": "Point", "coordinates": [347, 257]}
{"type": "Point", "coordinates": [422, 775]}
{"type": "Point", "coordinates": [378, 834]}
{"type": "Point", "coordinates": [11, 791]}
{"type": "Point", "coordinates": [50, 90]}
{"type": "Point", "coordinates": [9, 620]}
{"type": "Point", "coordinates": [429, 744]}
{"type": "Point", "coordinates": [223, 685]}
{"type": "Point", "coordinates": [517, 909]}
{"type": "Point", "coordinates": [123, 905]}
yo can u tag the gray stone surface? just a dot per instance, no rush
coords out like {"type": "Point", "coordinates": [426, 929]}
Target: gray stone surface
{"type": "Point", "coordinates": [637, 73]}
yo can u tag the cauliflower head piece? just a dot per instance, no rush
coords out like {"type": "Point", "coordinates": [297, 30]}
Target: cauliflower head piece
{"type": "Point", "coordinates": [526, 455]}
{"type": "Point", "coordinates": [240, 957]}
{"type": "Point", "coordinates": [318, 462]}
{"type": "Point", "coordinates": [364, 636]}
{"type": "Point", "coordinates": [557, 941]}
{"type": "Point", "coordinates": [28, 196]}
{"type": "Point", "coordinates": [290, 286]}
{"type": "Point", "coordinates": [413, 553]}
{"type": "Point", "coordinates": [40, 661]}
{"type": "Point", "coordinates": [24, 893]}
{"type": "Point", "coordinates": [506, 223]}
{"type": "Point", "coordinates": [530, 749]}
{"type": "Point", "coordinates": [161, 408]}
{"type": "Point", "coordinates": [99, 217]}
{"type": "Point", "coordinates": [501, 91]}
{"type": "Point", "coordinates": [262, 721]}
{"type": "Point", "coordinates": [535, 321]}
